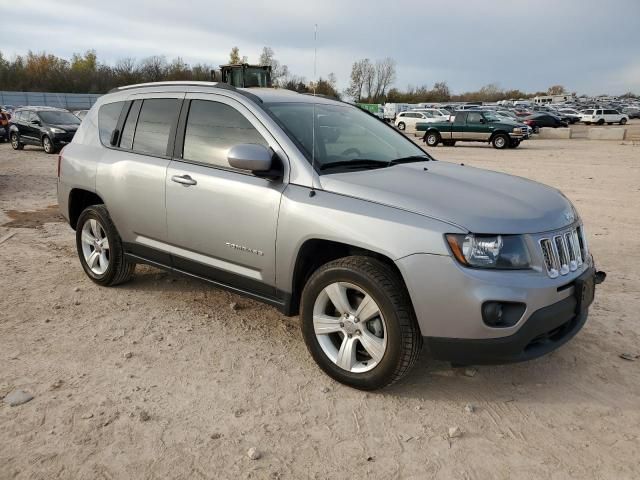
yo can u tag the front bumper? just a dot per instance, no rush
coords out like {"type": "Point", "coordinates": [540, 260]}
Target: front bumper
{"type": "Point", "coordinates": [61, 139]}
{"type": "Point", "coordinates": [448, 299]}
{"type": "Point", "coordinates": [546, 330]}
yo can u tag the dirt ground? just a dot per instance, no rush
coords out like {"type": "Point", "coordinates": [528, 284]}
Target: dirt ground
{"type": "Point", "coordinates": [161, 378]}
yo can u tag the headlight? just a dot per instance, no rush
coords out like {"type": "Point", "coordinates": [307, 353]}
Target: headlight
{"type": "Point", "coordinates": [58, 130]}
{"type": "Point", "coordinates": [490, 251]}
{"type": "Point", "coordinates": [516, 130]}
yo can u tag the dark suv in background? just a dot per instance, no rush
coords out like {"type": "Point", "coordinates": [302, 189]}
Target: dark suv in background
{"type": "Point", "coordinates": [50, 128]}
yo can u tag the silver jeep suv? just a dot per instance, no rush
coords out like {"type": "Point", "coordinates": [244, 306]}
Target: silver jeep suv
{"type": "Point", "coordinates": [322, 210]}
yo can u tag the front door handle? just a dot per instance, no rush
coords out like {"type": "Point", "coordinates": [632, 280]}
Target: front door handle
{"type": "Point", "coordinates": [185, 180]}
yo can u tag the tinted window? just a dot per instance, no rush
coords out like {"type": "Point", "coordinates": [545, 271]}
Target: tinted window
{"type": "Point", "coordinates": [107, 120]}
{"type": "Point", "coordinates": [152, 132]}
{"type": "Point", "coordinates": [212, 129]}
{"type": "Point", "coordinates": [611, 112]}
{"type": "Point", "coordinates": [474, 117]}
{"type": "Point", "coordinates": [126, 139]}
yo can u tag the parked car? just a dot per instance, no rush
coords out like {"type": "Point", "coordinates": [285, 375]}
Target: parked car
{"type": "Point", "coordinates": [80, 113]}
{"type": "Point", "coordinates": [435, 112]}
{"type": "Point", "coordinates": [540, 120]}
{"type": "Point", "coordinates": [571, 114]}
{"type": "Point", "coordinates": [632, 112]}
{"type": "Point", "coordinates": [474, 126]}
{"type": "Point", "coordinates": [50, 128]}
{"type": "Point", "coordinates": [411, 118]}
{"type": "Point", "coordinates": [5, 117]}
{"type": "Point", "coordinates": [322, 210]}
{"type": "Point", "coordinates": [600, 116]}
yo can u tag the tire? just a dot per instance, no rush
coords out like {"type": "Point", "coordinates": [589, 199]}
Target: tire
{"type": "Point", "coordinates": [500, 141]}
{"type": "Point", "coordinates": [623, 121]}
{"type": "Point", "coordinates": [48, 145]}
{"type": "Point", "coordinates": [392, 329]}
{"type": "Point", "coordinates": [15, 142]}
{"type": "Point", "coordinates": [600, 122]}
{"type": "Point", "coordinates": [112, 268]}
{"type": "Point", "coordinates": [432, 139]}
{"type": "Point", "coordinates": [402, 126]}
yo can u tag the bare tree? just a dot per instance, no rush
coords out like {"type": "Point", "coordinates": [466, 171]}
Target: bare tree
{"type": "Point", "coordinates": [279, 72]}
{"type": "Point", "coordinates": [384, 76]}
{"type": "Point", "coordinates": [356, 86]}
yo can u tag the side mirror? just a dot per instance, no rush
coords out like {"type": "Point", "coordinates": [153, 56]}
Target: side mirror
{"type": "Point", "coordinates": [250, 156]}
{"type": "Point", "coordinates": [113, 141]}
{"type": "Point", "coordinates": [35, 122]}
{"type": "Point", "coordinates": [482, 120]}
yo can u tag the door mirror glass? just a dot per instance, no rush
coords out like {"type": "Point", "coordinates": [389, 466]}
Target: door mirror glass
{"type": "Point", "coordinates": [250, 156]}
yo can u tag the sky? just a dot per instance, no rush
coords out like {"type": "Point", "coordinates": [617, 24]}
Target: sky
{"type": "Point", "coordinates": [589, 46]}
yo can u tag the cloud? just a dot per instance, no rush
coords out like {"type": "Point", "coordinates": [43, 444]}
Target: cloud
{"type": "Point", "coordinates": [581, 44]}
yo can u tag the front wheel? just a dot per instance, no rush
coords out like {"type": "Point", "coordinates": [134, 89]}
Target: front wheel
{"type": "Point", "coordinates": [48, 145]}
{"type": "Point", "coordinates": [623, 121]}
{"type": "Point", "coordinates": [402, 126]}
{"type": "Point", "coordinates": [600, 122]}
{"type": "Point", "coordinates": [358, 323]}
{"type": "Point", "coordinates": [100, 248]}
{"type": "Point", "coordinates": [15, 142]}
{"type": "Point", "coordinates": [500, 141]}
{"type": "Point", "coordinates": [432, 139]}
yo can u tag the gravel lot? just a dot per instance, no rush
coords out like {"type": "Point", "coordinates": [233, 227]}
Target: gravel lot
{"type": "Point", "coordinates": [161, 378]}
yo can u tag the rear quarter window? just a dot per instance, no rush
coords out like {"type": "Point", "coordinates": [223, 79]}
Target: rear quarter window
{"type": "Point", "coordinates": [108, 120]}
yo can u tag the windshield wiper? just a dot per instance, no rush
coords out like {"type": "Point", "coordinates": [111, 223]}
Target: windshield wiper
{"type": "Point", "coordinates": [355, 163]}
{"type": "Point", "coordinates": [410, 159]}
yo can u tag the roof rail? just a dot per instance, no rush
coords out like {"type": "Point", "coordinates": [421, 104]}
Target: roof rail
{"type": "Point", "coordinates": [174, 83]}
{"type": "Point", "coordinates": [187, 83]}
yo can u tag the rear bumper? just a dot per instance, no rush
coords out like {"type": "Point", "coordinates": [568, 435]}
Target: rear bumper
{"type": "Point", "coordinates": [546, 329]}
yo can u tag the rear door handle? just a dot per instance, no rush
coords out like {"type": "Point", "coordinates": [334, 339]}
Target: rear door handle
{"type": "Point", "coordinates": [185, 180]}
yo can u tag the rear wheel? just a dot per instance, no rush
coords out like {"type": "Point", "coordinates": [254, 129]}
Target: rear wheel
{"type": "Point", "coordinates": [601, 121]}
{"type": "Point", "coordinates": [15, 142]}
{"type": "Point", "coordinates": [48, 145]}
{"type": "Point", "coordinates": [100, 248]}
{"type": "Point", "coordinates": [432, 138]}
{"type": "Point", "coordinates": [500, 141]}
{"type": "Point", "coordinates": [401, 126]}
{"type": "Point", "coordinates": [358, 322]}
{"type": "Point", "coordinates": [449, 143]}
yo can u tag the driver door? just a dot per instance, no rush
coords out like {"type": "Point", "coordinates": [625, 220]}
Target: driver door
{"type": "Point", "coordinates": [476, 127]}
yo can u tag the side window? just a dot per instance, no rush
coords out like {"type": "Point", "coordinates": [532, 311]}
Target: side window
{"type": "Point", "coordinates": [599, 112]}
{"type": "Point", "coordinates": [108, 119]}
{"type": "Point", "coordinates": [474, 117]}
{"type": "Point", "coordinates": [212, 129]}
{"type": "Point", "coordinates": [126, 139]}
{"type": "Point", "coordinates": [31, 117]}
{"type": "Point", "coordinates": [154, 124]}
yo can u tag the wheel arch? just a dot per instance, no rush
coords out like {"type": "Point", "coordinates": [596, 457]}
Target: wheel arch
{"type": "Point", "coordinates": [315, 252]}
{"type": "Point", "coordinates": [79, 199]}
{"type": "Point", "coordinates": [498, 132]}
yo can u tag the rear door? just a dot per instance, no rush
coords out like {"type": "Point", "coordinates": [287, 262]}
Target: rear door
{"type": "Point", "coordinates": [131, 176]}
{"type": "Point", "coordinates": [222, 224]}
{"type": "Point", "coordinates": [29, 131]}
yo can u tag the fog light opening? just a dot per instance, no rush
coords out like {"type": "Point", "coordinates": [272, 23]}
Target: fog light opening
{"type": "Point", "coordinates": [497, 314]}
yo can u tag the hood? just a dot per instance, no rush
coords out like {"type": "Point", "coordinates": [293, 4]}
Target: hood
{"type": "Point", "coordinates": [69, 128]}
{"type": "Point", "coordinates": [479, 200]}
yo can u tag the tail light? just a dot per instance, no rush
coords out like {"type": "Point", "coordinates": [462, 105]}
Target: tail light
{"type": "Point", "coordinates": [528, 122]}
{"type": "Point", "coordinates": [60, 161]}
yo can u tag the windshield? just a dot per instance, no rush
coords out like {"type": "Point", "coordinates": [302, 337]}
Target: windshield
{"type": "Point", "coordinates": [345, 136]}
{"type": "Point", "coordinates": [59, 118]}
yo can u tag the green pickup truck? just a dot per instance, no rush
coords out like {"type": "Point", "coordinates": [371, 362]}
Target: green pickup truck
{"type": "Point", "coordinates": [474, 126]}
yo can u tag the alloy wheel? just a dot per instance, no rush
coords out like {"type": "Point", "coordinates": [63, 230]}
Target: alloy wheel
{"type": "Point", "coordinates": [95, 246]}
{"type": "Point", "coordinates": [349, 327]}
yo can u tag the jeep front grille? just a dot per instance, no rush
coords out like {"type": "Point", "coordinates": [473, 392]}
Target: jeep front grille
{"type": "Point", "coordinates": [564, 252]}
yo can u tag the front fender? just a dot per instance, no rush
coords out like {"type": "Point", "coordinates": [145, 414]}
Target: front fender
{"type": "Point", "coordinates": [388, 231]}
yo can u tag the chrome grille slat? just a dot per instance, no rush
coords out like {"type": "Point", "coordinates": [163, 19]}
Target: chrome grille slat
{"type": "Point", "coordinates": [563, 252]}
